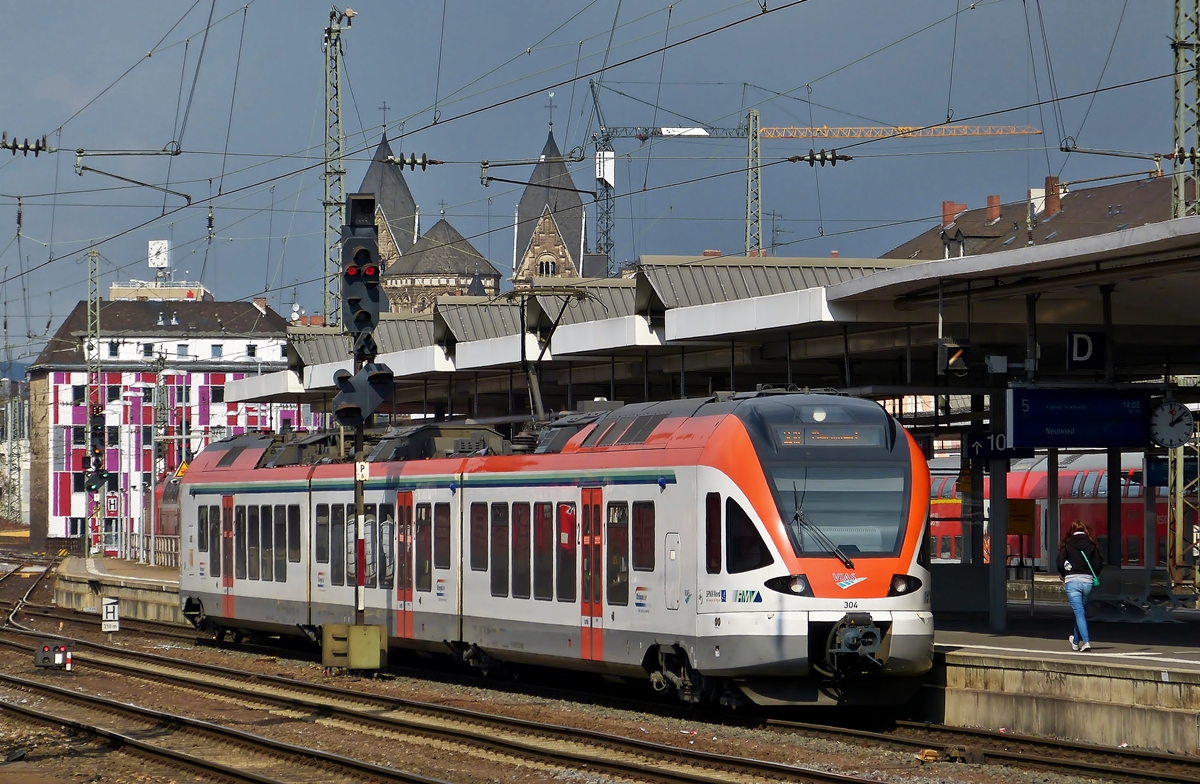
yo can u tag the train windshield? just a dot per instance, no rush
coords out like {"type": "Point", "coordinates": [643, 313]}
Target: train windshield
{"type": "Point", "coordinates": [859, 508]}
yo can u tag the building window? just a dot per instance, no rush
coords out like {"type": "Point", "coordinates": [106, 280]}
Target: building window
{"type": "Point", "coordinates": [218, 394]}
{"type": "Point", "coordinates": [216, 350]}
{"type": "Point", "coordinates": [181, 350]}
{"type": "Point", "coordinates": [113, 394]}
{"type": "Point", "coordinates": [77, 435]}
{"type": "Point", "coordinates": [78, 395]}
{"type": "Point", "coordinates": [283, 351]}
{"type": "Point", "coordinates": [147, 436]}
{"type": "Point", "coordinates": [114, 435]}
{"type": "Point", "coordinates": [77, 482]}
{"type": "Point", "coordinates": [251, 349]}
{"type": "Point", "coordinates": [76, 527]}
{"type": "Point", "coordinates": [114, 349]}
{"type": "Point", "coordinates": [147, 349]}
{"type": "Point", "coordinates": [147, 394]}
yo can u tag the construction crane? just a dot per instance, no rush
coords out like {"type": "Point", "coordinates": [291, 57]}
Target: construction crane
{"type": "Point", "coordinates": [749, 130]}
{"type": "Point", "coordinates": [898, 131]}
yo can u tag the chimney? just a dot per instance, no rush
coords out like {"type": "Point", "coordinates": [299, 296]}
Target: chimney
{"type": "Point", "coordinates": [833, 254]}
{"type": "Point", "coordinates": [993, 209]}
{"type": "Point", "coordinates": [712, 253]}
{"type": "Point", "coordinates": [317, 320]}
{"type": "Point", "coordinates": [950, 211]}
{"type": "Point", "coordinates": [261, 304]}
{"type": "Point", "coordinates": [1053, 196]}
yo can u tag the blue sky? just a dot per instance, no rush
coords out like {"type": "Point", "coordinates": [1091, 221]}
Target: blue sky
{"type": "Point", "coordinates": [485, 73]}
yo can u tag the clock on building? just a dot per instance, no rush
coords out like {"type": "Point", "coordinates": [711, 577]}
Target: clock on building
{"type": "Point", "coordinates": [160, 251]}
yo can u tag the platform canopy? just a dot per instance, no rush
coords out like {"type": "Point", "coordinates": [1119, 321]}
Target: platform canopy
{"type": "Point", "coordinates": [688, 325]}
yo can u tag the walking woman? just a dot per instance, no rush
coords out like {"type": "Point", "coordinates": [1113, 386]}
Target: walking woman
{"type": "Point", "coordinates": [1079, 567]}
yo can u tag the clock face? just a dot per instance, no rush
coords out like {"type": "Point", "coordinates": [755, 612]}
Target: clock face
{"type": "Point", "coordinates": [1171, 424]}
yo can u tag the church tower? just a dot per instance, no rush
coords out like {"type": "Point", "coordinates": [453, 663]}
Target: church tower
{"type": "Point", "coordinates": [396, 212]}
{"type": "Point", "coordinates": [549, 231]}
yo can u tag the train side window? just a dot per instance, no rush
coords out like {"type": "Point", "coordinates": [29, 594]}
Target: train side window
{"type": "Point", "coordinates": [543, 551]}
{"type": "Point", "coordinates": [387, 546]}
{"type": "Point", "coordinates": [281, 542]}
{"type": "Point", "coordinates": [1133, 549]}
{"type": "Point", "coordinates": [745, 549]}
{"type": "Point", "coordinates": [712, 533]}
{"type": "Point", "coordinates": [424, 553]}
{"type": "Point", "coordinates": [1079, 475]}
{"type": "Point", "coordinates": [479, 537]}
{"type": "Point", "coordinates": [215, 540]}
{"type": "Point", "coordinates": [321, 531]}
{"type": "Point", "coordinates": [337, 553]}
{"type": "Point", "coordinates": [370, 546]}
{"type": "Point", "coordinates": [351, 545]}
{"type": "Point", "coordinates": [268, 541]}
{"type": "Point", "coordinates": [252, 543]}
{"type": "Point", "coordinates": [202, 528]}
{"type": "Point", "coordinates": [958, 551]}
{"type": "Point", "coordinates": [618, 553]}
{"type": "Point", "coordinates": [946, 552]}
{"type": "Point", "coordinates": [239, 542]}
{"type": "Point", "coordinates": [293, 531]}
{"type": "Point", "coordinates": [643, 536]}
{"type": "Point", "coordinates": [441, 536]}
{"type": "Point", "coordinates": [520, 551]}
{"type": "Point", "coordinates": [566, 552]}
{"type": "Point", "coordinates": [499, 549]}
{"type": "Point", "coordinates": [935, 487]}
{"type": "Point", "coordinates": [950, 489]}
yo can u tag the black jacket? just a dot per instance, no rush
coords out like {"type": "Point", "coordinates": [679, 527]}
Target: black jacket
{"type": "Point", "coordinates": [1071, 555]}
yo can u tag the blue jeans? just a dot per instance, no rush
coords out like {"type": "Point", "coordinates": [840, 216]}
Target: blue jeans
{"type": "Point", "coordinates": [1078, 594]}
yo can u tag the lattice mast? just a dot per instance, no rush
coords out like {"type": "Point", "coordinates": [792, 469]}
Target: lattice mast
{"type": "Point", "coordinates": [94, 380]}
{"type": "Point", "coordinates": [335, 171]}
{"type": "Point", "coordinates": [1187, 98]}
{"type": "Point", "coordinates": [753, 185]}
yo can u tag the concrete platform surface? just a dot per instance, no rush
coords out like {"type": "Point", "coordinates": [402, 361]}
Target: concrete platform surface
{"type": "Point", "coordinates": [1135, 640]}
{"type": "Point", "coordinates": [117, 568]}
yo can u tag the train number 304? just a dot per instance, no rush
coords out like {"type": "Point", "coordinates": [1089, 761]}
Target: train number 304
{"type": "Point", "coordinates": [851, 605]}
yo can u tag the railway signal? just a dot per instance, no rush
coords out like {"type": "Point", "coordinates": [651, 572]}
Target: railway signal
{"type": "Point", "coordinates": [360, 274]}
{"type": "Point", "coordinates": [359, 395]}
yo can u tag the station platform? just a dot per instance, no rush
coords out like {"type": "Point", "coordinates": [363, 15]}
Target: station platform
{"type": "Point", "coordinates": [1139, 685]}
{"type": "Point", "coordinates": [145, 592]}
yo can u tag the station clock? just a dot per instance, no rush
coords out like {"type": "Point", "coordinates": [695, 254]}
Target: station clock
{"type": "Point", "coordinates": [1171, 424]}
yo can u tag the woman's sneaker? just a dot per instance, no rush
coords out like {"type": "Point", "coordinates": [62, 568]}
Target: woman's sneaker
{"type": "Point", "coordinates": [1087, 646]}
{"type": "Point", "coordinates": [1074, 645]}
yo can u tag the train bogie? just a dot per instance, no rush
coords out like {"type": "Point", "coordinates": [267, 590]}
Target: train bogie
{"type": "Point", "coordinates": [664, 541]}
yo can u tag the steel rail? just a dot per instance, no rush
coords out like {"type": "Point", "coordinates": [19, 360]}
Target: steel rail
{"type": "Point", "coordinates": [198, 726]}
{"type": "Point", "coordinates": [486, 736]}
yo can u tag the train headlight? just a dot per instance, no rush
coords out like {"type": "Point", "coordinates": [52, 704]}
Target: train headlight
{"type": "Point", "coordinates": [903, 584]}
{"type": "Point", "coordinates": [793, 585]}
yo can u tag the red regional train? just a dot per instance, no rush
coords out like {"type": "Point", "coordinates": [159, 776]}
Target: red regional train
{"type": "Point", "coordinates": [1082, 493]}
{"type": "Point", "coordinates": [764, 546]}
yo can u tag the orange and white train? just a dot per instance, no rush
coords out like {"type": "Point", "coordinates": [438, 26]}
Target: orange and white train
{"type": "Point", "coordinates": [763, 546]}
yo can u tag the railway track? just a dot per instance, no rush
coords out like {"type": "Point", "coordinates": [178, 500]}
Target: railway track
{"type": "Point", "coordinates": [182, 742]}
{"type": "Point", "coordinates": [399, 720]}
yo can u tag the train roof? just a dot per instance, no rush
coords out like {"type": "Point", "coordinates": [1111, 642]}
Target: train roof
{"type": "Point", "coordinates": [1067, 462]}
{"type": "Point", "coordinates": [657, 425]}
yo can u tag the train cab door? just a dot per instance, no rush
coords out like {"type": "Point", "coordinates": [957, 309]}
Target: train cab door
{"type": "Point", "coordinates": [591, 541]}
{"type": "Point", "coordinates": [404, 564]}
{"type": "Point", "coordinates": [227, 556]}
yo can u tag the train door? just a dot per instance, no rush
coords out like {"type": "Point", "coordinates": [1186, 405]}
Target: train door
{"type": "Point", "coordinates": [592, 620]}
{"type": "Point", "coordinates": [227, 555]}
{"type": "Point", "coordinates": [404, 564]}
{"type": "Point", "coordinates": [671, 576]}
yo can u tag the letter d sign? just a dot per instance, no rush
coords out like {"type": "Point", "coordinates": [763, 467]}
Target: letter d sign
{"type": "Point", "coordinates": [1085, 351]}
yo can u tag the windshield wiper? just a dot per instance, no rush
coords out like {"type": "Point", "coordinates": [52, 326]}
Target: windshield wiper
{"type": "Point", "coordinates": [821, 536]}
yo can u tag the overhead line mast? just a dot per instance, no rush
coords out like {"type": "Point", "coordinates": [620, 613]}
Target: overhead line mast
{"type": "Point", "coordinates": [335, 172]}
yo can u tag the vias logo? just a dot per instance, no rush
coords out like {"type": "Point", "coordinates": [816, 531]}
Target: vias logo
{"type": "Point", "coordinates": [846, 579]}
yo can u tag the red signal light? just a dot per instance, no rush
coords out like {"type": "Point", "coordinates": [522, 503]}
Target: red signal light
{"type": "Point", "coordinates": [351, 271]}
{"type": "Point", "coordinates": [370, 270]}
{"type": "Point", "coordinates": [45, 649]}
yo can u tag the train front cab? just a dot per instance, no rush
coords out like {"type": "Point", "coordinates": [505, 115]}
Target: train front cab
{"type": "Point", "coordinates": [778, 612]}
